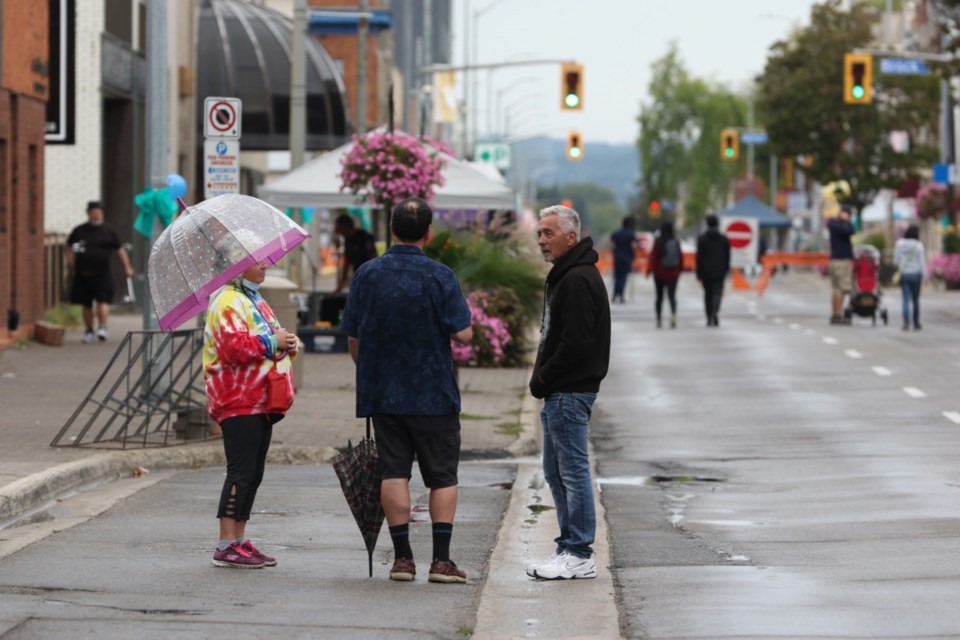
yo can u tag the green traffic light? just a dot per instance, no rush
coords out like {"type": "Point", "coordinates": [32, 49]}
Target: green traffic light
{"type": "Point", "coordinates": [572, 100]}
{"type": "Point", "coordinates": [729, 152]}
{"type": "Point", "coordinates": [858, 92]}
{"type": "Point", "coordinates": [574, 152]}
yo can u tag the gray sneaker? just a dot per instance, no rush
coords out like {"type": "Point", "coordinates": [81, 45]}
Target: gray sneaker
{"type": "Point", "coordinates": [89, 337]}
{"type": "Point", "coordinates": [567, 566]}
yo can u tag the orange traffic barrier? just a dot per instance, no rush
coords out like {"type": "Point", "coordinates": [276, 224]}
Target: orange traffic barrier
{"type": "Point", "coordinates": [605, 264]}
{"type": "Point", "coordinates": [771, 261]}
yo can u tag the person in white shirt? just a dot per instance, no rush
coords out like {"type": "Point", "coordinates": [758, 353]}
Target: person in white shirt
{"type": "Point", "coordinates": [909, 256]}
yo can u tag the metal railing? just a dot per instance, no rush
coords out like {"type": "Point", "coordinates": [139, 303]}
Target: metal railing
{"type": "Point", "coordinates": [151, 394]}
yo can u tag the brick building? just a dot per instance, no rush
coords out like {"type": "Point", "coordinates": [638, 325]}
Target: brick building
{"type": "Point", "coordinates": [24, 86]}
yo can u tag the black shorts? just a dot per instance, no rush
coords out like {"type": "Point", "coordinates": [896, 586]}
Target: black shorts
{"type": "Point", "coordinates": [435, 440]}
{"type": "Point", "coordinates": [86, 289]}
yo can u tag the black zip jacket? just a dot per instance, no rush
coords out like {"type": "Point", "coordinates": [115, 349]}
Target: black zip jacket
{"type": "Point", "coordinates": [574, 349]}
{"type": "Point", "coordinates": [713, 255]}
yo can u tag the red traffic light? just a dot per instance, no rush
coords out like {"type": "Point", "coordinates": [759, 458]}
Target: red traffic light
{"type": "Point", "coordinates": [567, 204]}
{"type": "Point", "coordinates": [654, 206]}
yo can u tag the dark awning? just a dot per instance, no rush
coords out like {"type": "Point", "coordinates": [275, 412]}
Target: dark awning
{"type": "Point", "coordinates": [750, 207]}
{"type": "Point", "coordinates": [244, 52]}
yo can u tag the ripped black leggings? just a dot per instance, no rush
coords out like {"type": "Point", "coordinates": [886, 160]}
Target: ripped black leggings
{"type": "Point", "coordinates": [245, 442]}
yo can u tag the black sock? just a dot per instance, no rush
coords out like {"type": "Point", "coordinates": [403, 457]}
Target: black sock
{"type": "Point", "coordinates": [442, 532]}
{"type": "Point", "coordinates": [401, 541]}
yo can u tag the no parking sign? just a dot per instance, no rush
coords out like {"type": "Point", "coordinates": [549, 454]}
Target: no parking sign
{"type": "Point", "coordinates": [221, 118]}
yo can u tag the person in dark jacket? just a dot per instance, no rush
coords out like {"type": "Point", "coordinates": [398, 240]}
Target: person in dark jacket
{"type": "Point", "coordinates": [713, 264]}
{"type": "Point", "coordinates": [666, 264]}
{"type": "Point", "coordinates": [624, 245]}
{"type": "Point", "coordinates": [573, 358]}
{"type": "Point", "coordinates": [840, 266]}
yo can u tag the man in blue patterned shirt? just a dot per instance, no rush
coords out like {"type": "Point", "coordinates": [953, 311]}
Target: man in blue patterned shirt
{"type": "Point", "coordinates": [402, 311]}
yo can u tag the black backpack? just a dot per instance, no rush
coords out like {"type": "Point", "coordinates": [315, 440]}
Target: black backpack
{"type": "Point", "coordinates": [670, 254]}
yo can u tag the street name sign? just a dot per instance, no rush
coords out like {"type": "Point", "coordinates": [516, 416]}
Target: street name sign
{"type": "Point", "coordinates": [221, 118]}
{"type": "Point", "coordinates": [221, 167]}
{"type": "Point", "coordinates": [743, 235]}
{"type": "Point", "coordinates": [903, 67]}
{"type": "Point", "coordinates": [946, 173]}
{"type": "Point", "coordinates": [495, 153]}
{"type": "Point", "coordinates": [754, 137]}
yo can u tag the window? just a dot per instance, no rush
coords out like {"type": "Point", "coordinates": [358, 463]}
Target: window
{"type": "Point", "coordinates": [33, 190]}
{"type": "Point", "coordinates": [4, 185]}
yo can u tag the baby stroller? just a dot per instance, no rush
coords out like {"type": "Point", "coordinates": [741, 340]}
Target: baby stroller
{"type": "Point", "coordinates": [867, 298]}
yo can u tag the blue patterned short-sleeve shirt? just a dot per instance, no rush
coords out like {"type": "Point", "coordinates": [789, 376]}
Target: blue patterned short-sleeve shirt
{"type": "Point", "coordinates": [402, 308]}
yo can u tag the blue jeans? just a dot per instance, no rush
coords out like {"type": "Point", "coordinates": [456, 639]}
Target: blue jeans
{"type": "Point", "coordinates": [566, 468]}
{"type": "Point", "coordinates": [910, 285]}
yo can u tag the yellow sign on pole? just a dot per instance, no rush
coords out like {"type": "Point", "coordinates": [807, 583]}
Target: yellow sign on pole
{"type": "Point", "coordinates": [444, 96]}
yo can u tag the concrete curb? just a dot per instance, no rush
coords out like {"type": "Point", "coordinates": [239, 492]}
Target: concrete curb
{"type": "Point", "coordinates": [530, 441]}
{"type": "Point", "coordinates": [33, 491]}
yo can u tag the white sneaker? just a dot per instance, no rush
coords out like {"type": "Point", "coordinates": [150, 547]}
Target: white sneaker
{"type": "Point", "coordinates": [532, 568]}
{"type": "Point", "coordinates": [567, 566]}
{"type": "Point", "coordinates": [102, 333]}
{"type": "Point", "coordinates": [89, 337]}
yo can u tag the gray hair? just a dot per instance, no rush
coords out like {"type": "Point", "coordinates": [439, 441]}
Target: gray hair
{"type": "Point", "coordinates": [567, 219]}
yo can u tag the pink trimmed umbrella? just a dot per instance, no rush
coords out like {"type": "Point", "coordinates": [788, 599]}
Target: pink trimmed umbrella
{"type": "Point", "coordinates": [208, 245]}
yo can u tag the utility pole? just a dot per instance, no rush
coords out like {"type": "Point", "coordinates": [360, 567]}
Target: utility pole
{"type": "Point", "coordinates": [465, 107]}
{"type": "Point", "coordinates": [156, 130]}
{"type": "Point", "coordinates": [362, 68]}
{"type": "Point", "coordinates": [298, 117]}
{"type": "Point", "coordinates": [750, 146]}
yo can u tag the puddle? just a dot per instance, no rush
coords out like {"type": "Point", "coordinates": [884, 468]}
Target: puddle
{"type": "Point", "coordinates": [539, 508]}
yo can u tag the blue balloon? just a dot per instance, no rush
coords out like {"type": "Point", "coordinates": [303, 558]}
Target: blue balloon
{"type": "Point", "coordinates": [176, 185]}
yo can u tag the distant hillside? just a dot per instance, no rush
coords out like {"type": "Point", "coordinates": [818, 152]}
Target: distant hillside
{"type": "Point", "coordinates": [615, 166]}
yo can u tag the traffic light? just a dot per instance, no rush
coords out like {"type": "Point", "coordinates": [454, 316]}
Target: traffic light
{"type": "Point", "coordinates": [571, 87]}
{"type": "Point", "coordinates": [857, 78]}
{"type": "Point", "coordinates": [729, 144]}
{"type": "Point", "coordinates": [574, 146]}
{"type": "Point", "coordinates": [654, 209]}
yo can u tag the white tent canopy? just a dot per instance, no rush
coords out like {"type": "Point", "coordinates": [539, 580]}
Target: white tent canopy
{"type": "Point", "coordinates": [317, 184]}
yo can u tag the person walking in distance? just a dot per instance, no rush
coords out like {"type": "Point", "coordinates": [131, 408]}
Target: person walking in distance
{"type": "Point", "coordinates": [624, 245]}
{"type": "Point", "coordinates": [89, 247]}
{"type": "Point", "coordinates": [358, 247]}
{"type": "Point", "coordinates": [401, 313]}
{"type": "Point", "coordinates": [666, 265]}
{"type": "Point", "coordinates": [572, 359]}
{"type": "Point", "coordinates": [840, 266]}
{"type": "Point", "coordinates": [713, 264]}
{"type": "Point", "coordinates": [910, 258]}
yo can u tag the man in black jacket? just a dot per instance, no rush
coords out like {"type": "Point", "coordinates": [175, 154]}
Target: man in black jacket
{"type": "Point", "coordinates": [573, 358]}
{"type": "Point", "coordinates": [713, 263]}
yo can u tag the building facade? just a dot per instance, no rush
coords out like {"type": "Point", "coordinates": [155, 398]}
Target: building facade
{"type": "Point", "coordinates": [24, 88]}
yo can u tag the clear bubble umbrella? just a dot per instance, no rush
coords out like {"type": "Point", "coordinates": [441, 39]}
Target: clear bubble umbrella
{"type": "Point", "coordinates": [208, 245]}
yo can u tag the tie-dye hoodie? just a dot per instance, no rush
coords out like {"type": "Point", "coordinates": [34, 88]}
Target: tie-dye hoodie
{"type": "Point", "coordinates": [239, 346]}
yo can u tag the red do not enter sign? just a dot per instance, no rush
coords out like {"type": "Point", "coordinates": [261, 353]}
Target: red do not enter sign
{"type": "Point", "coordinates": [740, 235]}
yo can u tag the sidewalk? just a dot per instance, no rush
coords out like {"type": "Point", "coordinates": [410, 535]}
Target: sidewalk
{"type": "Point", "coordinates": [41, 386]}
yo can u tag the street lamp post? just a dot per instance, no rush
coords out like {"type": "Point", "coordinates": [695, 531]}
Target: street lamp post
{"type": "Point", "coordinates": [476, 41]}
{"type": "Point", "coordinates": [500, 93]}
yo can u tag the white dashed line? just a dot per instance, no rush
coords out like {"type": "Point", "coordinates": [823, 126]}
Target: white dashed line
{"type": "Point", "coordinates": [952, 416]}
{"type": "Point", "coordinates": [810, 332]}
{"type": "Point", "coordinates": [829, 340]}
{"type": "Point", "coordinates": [778, 320]}
{"type": "Point", "coordinates": [853, 353]}
{"type": "Point", "coordinates": [882, 371]}
{"type": "Point", "coordinates": [795, 326]}
{"type": "Point", "coordinates": [913, 392]}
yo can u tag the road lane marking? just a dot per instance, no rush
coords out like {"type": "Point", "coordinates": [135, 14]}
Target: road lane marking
{"type": "Point", "coordinates": [913, 392]}
{"type": "Point", "coordinates": [810, 332]}
{"type": "Point", "coordinates": [829, 340]}
{"type": "Point", "coordinates": [795, 326]}
{"type": "Point", "coordinates": [952, 416]}
{"type": "Point", "coordinates": [778, 320]}
{"type": "Point", "coordinates": [882, 371]}
{"type": "Point", "coordinates": [853, 353]}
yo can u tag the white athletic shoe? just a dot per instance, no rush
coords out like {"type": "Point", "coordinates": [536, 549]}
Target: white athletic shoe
{"type": "Point", "coordinates": [89, 337]}
{"type": "Point", "coordinates": [102, 333]}
{"type": "Point", "coordinates": [567, 566]}
{"type": "Point", "coordinates": [532, 568]}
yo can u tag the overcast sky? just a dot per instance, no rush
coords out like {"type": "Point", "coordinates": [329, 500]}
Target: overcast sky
{"type": "Point", "coordinates": [616, 41]}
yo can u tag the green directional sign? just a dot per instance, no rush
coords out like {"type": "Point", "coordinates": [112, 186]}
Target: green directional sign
{"type": "Point", "coordinates": [495, 153]}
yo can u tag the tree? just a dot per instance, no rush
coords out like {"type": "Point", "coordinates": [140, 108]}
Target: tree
{"type": "Point", "coordinates": [600, 213]}
{"type": "Point", "coordinates": [679, 141]}
{"type": "Point", "coordinates": [800, 95]}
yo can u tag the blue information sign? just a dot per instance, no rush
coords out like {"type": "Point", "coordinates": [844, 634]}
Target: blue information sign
{"type": "Point", "coordinates": [903, 67]}
{"type": "Point", "coordinates": [753, 137]}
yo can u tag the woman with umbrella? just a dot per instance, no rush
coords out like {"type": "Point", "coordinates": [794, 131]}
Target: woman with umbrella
{"type": "Point", "coordinates": [247, 360]}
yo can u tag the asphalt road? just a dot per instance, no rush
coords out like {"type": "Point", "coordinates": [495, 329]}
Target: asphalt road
{"type": "Point", "coordinates": [781, 477]}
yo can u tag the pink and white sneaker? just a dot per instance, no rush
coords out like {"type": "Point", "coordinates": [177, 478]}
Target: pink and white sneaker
{"type": "Point", "coordinates": [236, 557]}
{"type": "Point", "coordinates": [253, 551]}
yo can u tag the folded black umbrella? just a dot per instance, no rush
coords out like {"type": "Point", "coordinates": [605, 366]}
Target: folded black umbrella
{"type": "Point", "coordinates": [358, 469]}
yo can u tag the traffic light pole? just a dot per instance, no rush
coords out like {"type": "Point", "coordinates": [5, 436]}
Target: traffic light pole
{"type": "Point", "coordinates": [750, 146]}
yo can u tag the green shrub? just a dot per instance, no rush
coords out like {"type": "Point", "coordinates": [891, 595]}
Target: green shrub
{"type": "Point", "coordinates": [67, 315]}
{"type": "Point", "coordinates": [951, 242]}
{"type": "Point", "coordinates": [488, 266]}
